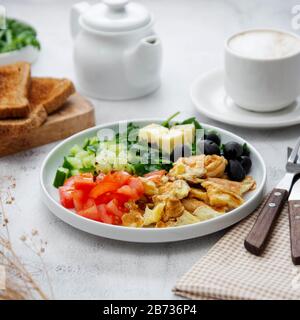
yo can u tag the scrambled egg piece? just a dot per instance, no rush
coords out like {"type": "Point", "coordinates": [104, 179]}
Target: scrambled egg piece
{"type": "Point", "coordinates": [219, 196]}
{"type": "Point", "coordinates": [237, 187]}
{"type": "Point", "coordinates": [133, 219]}
{"type": "Point", "coordinates": [191, 204]}
{"type": "Point", "coordinates": [196, 168]}
{"type": "Point", "coordinates": [199, 194]}
{"type": "Point", "coordinates": [173, 209]}
{"type": "Point", "coordinates": [200, 209]}
{"type": "Point", "coordinates": [186, 218]}
{"type": "Point", "coordinates": [177, 189]}
{"type": "Point", "coordinates": [205, 212]}
{"type": "Point", "coordinates": [190, 168]}
{"type": "Point", "coordinates": [215, 165]}
{"type": "Point", "coordinates": [150, 188]}
{"type": "Point", "coordinates": [153, 215]}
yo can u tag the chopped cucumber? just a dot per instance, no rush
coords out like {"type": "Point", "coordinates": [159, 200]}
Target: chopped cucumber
{"type": "Point", "coordinates": [60, 177]}
{"type": "Point", "coordinates": [75, 172]}
{"type": "Point", "coordinates": [87, 169]}
{"type": "Point", "coordinates": [72, 163]}
{"type": "Point", "coordinates": [82, 154]}
{"type": "Point", "coordinates": [75, 149]}
{"type": "Point", "coordinates": [67, 164]}
{"type": "Point", "coordinates": [88, 161]}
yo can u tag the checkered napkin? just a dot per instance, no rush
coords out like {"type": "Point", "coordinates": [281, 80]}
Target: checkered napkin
{"type": "Point", "coordinates": [228, 271]}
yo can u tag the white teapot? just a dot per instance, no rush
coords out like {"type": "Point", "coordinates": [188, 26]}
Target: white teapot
{"type": "Point", "coordinates": [117, 55]}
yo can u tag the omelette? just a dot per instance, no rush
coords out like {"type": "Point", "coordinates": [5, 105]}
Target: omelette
{"type": "Point", "coordinates": [195, 189]}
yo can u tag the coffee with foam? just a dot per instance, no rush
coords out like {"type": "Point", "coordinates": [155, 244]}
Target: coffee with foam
{"type": "Point", "coordinates": [264, 44]}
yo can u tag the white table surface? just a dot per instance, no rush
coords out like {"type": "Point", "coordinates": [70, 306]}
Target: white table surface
{"type": "Point", "coordinates": [82, 266]}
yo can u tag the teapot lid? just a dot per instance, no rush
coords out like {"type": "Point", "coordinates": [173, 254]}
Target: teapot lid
{"type": "Point", "coordinates": [116, 16]}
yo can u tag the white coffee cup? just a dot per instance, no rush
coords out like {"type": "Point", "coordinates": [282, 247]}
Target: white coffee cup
{"type": "Point", "coordinates": [262, 69]}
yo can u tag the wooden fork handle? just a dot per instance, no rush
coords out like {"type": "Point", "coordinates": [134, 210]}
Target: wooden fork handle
{"type": "Point", "coordinates": [294, 216]}
{"type": "Point", "coordinates": [258, 236]}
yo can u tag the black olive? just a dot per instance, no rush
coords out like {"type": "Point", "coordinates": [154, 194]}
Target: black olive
{"type": "Point", "coordinates": [246, 150]}
{"type": "Point", "coordinates": [235, 171]}
{"type": "Point", "coordinates": [246, 163]}
{"type": "Point", "coordinates": [232, 150]}
{"type": "Point", "coordinates": [211, 147]}
{"type": "Point", "coordinates": [212, 137]}
{"type": "Point", "coordinates": [180, 151]}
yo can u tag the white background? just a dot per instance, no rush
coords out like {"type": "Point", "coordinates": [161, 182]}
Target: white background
{"type": "Point", "coordinates": [192, 33]}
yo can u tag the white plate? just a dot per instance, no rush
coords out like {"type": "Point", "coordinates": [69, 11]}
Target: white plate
{"type": "Point", "coordinates": [28, 54]}
{"type": "Point", "coordinates": [51, 198]}
{"type": "Point", "coordinates": [209, 97]}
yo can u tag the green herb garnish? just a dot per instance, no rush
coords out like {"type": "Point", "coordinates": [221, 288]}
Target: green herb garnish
{"type": "Point", "coordinates": [166, 123]}
{"type": "Point", "coordinates": [17, 35]}
{"type": "Point", "coordinates": [192, 120]}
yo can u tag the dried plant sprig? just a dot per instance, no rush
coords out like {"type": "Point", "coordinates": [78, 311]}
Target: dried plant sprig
{"type": "Point", "coordinates": [20, 283]}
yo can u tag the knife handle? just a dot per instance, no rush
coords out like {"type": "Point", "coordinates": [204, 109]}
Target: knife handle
{"type": "Point", "coordinates": [262, 228]}
{"type": "Point", "coordinates": [294, 216]}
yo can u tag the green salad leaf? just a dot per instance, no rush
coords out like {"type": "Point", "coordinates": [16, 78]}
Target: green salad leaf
{"type": "Point", "coordinates": [17, 35]}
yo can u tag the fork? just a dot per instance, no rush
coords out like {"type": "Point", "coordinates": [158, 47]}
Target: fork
{"type": "Point", "coordinates": [259, 234]}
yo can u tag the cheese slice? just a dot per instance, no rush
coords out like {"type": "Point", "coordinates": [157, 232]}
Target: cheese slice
{"type": "Point", "coordinates": [168, 139]}
{"type": "Point", "coordinates": [152, 133]}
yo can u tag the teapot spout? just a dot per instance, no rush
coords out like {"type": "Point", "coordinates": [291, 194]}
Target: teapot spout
{"type": "Point", "coordinates": [76, 11]}
{"type": "Point", "coordinates": [148, 51]}
{"type": "Point", "coordinates": [144, 62]}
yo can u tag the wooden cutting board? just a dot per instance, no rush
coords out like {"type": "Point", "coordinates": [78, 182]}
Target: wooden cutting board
{"type": "Point", "coordinates": [76, 115]}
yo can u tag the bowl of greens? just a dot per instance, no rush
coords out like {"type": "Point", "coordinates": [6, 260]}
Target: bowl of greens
{"type": "Point", "coordinates": [18, 42]}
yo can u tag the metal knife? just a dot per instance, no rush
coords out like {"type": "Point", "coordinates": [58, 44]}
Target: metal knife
{"type": "Point", "coordinates": [294, 216]}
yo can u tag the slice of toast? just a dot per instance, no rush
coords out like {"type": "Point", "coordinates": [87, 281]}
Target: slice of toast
{"type": "Point", "coordinates": [51, 92]}
{"type": "Point", "coordinates": [16, 127]}
{"type": "Point", "coordinates": [14, 87]}
{"type": "Point", "coordinates": [46, 95]}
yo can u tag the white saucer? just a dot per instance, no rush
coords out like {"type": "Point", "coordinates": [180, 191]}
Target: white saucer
{"type": "Point", "coordinates": [209, 96]}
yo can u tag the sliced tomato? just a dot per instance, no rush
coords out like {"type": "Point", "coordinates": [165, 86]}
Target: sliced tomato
{"type": "Point", "coordinates": [101, 199]}
{"type": "Point", "coordinates": [118, 177]}
{"type": "Point", "coordinates": [66, 197]}
{"type": "Point", "coordinates": [113, 208]}
{"type": "Point", "coordinates": [117, 220]}
{"type": "Point", "coordinates": [107, 197]}
{"type": "Point", "coordinates": [89, 203]}
{"type": "Point", "coordinates": [79, 198]}
{"type": "Point", "coordinates": [129, 192]}
{"type": "Point", "coordinates": [90, 213]}
{"type": "Point", "coordinates": [84, 181]}
{"type": "Point", "coordinates": [104, 215]}
{"type": "Point", "coordinates": [70, 183]}
{"type": "Point", "coordinates": [103, 187]}
{"type": "Point", "coordinates": [137, 185]}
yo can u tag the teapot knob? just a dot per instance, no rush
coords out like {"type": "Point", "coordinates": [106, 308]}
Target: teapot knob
{"type": "Point", "coordinates": [116, 5]}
